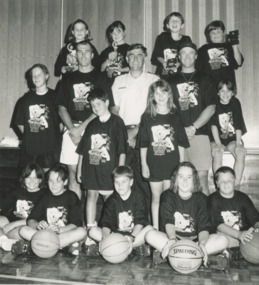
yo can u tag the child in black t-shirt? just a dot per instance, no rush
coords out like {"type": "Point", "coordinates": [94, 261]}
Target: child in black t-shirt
{"type": "Point", "coordinates": [124, 212]}
{"type": "Point", "coordinates": [232, 212]}
{"type": "Point", "coordinates": [228, 126]}
{"type": "Point", "coordinates": [165, 53]}
{"type": "Point", "coordinates": [16, 208]}
{"type": "Point", "coordinates": [58, 210]}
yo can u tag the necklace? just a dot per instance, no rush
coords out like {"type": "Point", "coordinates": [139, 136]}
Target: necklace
{"type": "Point", "coordinates": [187, 81]}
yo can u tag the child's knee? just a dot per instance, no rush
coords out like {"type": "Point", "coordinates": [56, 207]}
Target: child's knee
{"type": "Point", "coordinates": [95, 233]}
{"type": "Point", "coordinates": [81, 233]}
{"type": "Point", "coordinates": [240, 152]}
{"type": "Point", "coordinates": [223, 241]}
{"type": "Point", "coordinates": [217, 152]}
{"type": "Point", "coordinates": [27, 232]}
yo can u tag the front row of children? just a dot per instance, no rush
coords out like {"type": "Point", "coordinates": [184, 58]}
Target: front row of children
{"type": "Point", "coordinates": [224, 219]}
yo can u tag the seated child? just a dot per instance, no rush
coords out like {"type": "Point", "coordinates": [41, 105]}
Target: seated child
{"type": "Point", "coordinates": [124, 211]}
{"type": "Point", "coordinates": [58, 210]}
{"type": "Point", "coordinates": [165, 55]}
{"type": "Point", "coordinates": [221, 56]}
{"type": "Point", "coordinates": [102, 148]}
{"type": "Point", "coordinates": [228, 126]}
{"type": "Point", "coordinates": [19, 204]}
{"type": "Point", "coordinates": [113, 58]}
{"type": "Point", "coordinates": [184, 215]}
{"type": "Point", "coordinates": [232, 212]}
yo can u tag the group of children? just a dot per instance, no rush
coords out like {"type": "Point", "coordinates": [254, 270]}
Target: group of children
{"type": "Point", "coordinates": [179, 209]}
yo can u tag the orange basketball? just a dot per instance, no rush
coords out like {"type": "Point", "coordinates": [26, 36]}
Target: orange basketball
{"type": "Point", "coordinates": [45, 243]}
{"type": "Point", "coordinates": [114, 248]}
{"type": "Point", "coordinates": [250, 250]}
{"type": "Point", "coordinates": [185, 256]}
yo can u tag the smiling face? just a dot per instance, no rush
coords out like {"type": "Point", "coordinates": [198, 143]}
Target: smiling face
{"type": "Point", "coordinates": [84, 55]}
{"type": "Point", "coordinates": [32, 182]}
{"type": "Point", "coordinates": [123, 185]}
{"type": "Point", "coordinates": [39, 78]}
{"type": "Point", "coordinates": [136, 59]}
{"type": "Point", "coordinates": [187, 57]}
{"type": "Point", "coordinates": [217, 36]}
{"type": "Point", "coordinates": [80, 32]}
{"type": "Point", "coordinates": [226, 184]}
{"type": "Point", "coordinates": [184, 181]}
{"type": "Point", "coordinates": [161, 97]}
{"type": "Point", "coordinates": [225, 95]}
{"type": "Point", "coordinates": [99, 107]}
{"type": "Point", "coordinates": [175, 24]}
{"type": "Point", "coordinates": [118, 35]}
{"type": "Point", "coordinates": [56, 184]}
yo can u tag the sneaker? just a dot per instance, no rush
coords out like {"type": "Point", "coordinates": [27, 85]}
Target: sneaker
{"type": "Point", "coordinates": [92, 250]}
{"type": "Point", "coordinates": [21, 247]}
{"type": "Point", "coordinates": [74, 248]}
{"type": "Point", "coordinates": [142, 250]}
{"type": "Point", "coordinates": [235, 253]}
{"type": "Point", "coordinates": [89, 241]}
{"type": "Point", "coordinates": [219, 261]}
{"type": "Point", "coordinates": [156, 257]}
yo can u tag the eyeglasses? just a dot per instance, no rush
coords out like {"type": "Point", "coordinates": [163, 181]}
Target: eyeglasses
{"type": "Point", "coordinates": [230, 181]}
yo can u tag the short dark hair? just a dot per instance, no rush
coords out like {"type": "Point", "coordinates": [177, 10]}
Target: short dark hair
{"type": "Point", "coordinates": [84, 43]}
{"type": "Point", "coordinates": [97, 93]}
{"type": "Point", "coordinates": [112, 27]}
{"type": "Point", "coordinates": [167, 19]}
{"type": "Point", "coordinates": [26, 172]}
{"type": "Point", "coordinates": [224, 169]}
{"type": "Point", "coordinates": [60, 169]}
{"type": "Point", "coordinates": [229, 85]}
{"type": "Point", "coordinates": [123, 171]}
{"type": "Point", "coordinates": [213, 26]}
{"type": "Point", "coordinates": [137, 46]}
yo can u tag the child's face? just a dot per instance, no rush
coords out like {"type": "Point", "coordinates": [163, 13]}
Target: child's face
{"type": "Point", "coordinates": [161, 97]}
{"type": "Point", "coordinates": [80, 32]}
{"type": "Point", "coordinates": [99, 107]}
{"type": "Point", "coordinates": [39, 78]}
{"type": "Point", "coordinates": [226, 184]}
{"type": "Point", "coordinates": [175, 24]}
{"type": "Point", "coordinates": [185, 181]}
{"type": "Point", "coordinates": [118, 35]}
{"type": "Point", "coordinates": [217, 36]}
{"type": "Point", "coordinates": [32, 182]}
{"type": "Point", "coordinates": [225, 95]}
{"type": "Point", "coordinates": [123, 185]}
{"type": "Point", "coordinates": [56, 184]}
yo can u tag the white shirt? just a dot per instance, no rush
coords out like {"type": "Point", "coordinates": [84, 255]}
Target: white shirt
{"type": "Point", "coordinates": [130, 95]}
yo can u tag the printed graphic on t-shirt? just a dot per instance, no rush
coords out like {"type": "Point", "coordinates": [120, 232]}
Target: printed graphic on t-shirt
{"type": "Point", "coordinates": [126, 223]}
{"type": "Point", "coordinates": [100, 146]}
{"type": "Point", "coordinates": [57, 216]}
{"type": "Point", "coordinates": [226, 125]}
{"type": "Point", "coordinates": [171, 59]}
{"type": "Point", "coordinates": [163, 137]}
{"type": "Point", "coordinates": [218, 58]}
{"type": "Point", "coordinates": [188, 93]}
{"type": "Point", "coordinates": [71, 57]}
{"type": "Point", "coordinates": [81, 92]}
{"type": "Point", "coordinates": [183, 223]}
{"type": "Point", "coordinates": [23, 208]}
{"type": "Point", "coordinates": [232, 219]}
{"type": "Point", "coordinates": [39, 115]}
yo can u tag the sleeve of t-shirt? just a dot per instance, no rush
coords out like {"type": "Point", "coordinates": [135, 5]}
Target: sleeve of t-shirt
{"type": "Point", "coordinates": [105, 85]}
{"type": "Point", "coordinates": [157, 51]}
{"type": "Point", "coordinates": [239, 122]}
{"type": "Point", "coordinates": [63, 93]}
{"type": "Point", "coordinates": [210, 92]}
{"type": "Point", "coordinates": [214, 210]}
{"type": "Point", "coordinates": [201, 59]}
{"type": "Point", "coordinates": [251, 213]}
{"type": "Point", "coordinates": [19, 114]}
{"type": "Point", "coordinates": [81, 148]}
{"type": "Point", "coordinates": [95, 60]}
{"type": "Point", "coordinates": [142, 141]}
{"type": "Point", "coordinates": [141, 211]}
{"type": "Point", "coordinates": [38, 212]}
{"type": "Point", "coordinates": [234, 62]}
{"type": "Point", "coordinates": [122, 136]}
{"type": "Point", "coordinates": [182, 136]}
{"type": "Point", "coordinates": [167, 210]}
{"type": "Point", "coordinates": [203, 222]}
{"type": "Point", "coordinates": [109, 219]}
{"type": "Point", "coordinates": [74, 215]}
{"type": "Point", "coordinates": [61, 61]}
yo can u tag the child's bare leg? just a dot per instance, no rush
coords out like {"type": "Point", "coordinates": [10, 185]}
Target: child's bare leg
{"type": "Point", "coordinates": [140, 238]}
{"type": "Point", "coordinates": [95, 233]}
{"type": "Point", "coordinates": [203, 176]}
{"type": "Point", "coordinates": [156, 239]}
{"type": "Point", "coordinates": [239, 164]}
{"type": "Point", "coordinates": [14, 233]}
{"type": "Point", "coordinates": [69, 237]}
{"type": "Point", "coordinates": [27, 232]}
{"type": "Point", "coordinates": [156, 190]}
{"type": "Point", "coordinates": [9, 227]}
{"type": "Point", "coordinates": [91, 206]}
{"type": "Point", "coordinates": [216, 244]}
{"type": "Point", "coordinates": [3, 221]}
{"type": "Point", "coordinates": [73, 184]}
{"type": "Point", "coordinates": [217, 157]}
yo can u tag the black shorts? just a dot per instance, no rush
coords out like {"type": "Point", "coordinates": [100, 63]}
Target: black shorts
{"type": "Point", "coordinates": [44, 160]}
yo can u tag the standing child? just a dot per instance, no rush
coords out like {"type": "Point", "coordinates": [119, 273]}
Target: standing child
{"type": "Point", "coordinates": [37, 119]}
{"type": "Point", "coordinates": [18, 206]}
{"type": "Point", "coordinates": [228, 126]}
{"type": "Point", "coordinates": [102, 148]}
{"type": "Point", "coordinates": [164, 55]}
{"type": "Point", "coordinates": [233, 214]}
{"type": "Point", "coordinates": [184, 215]}
{"type": "Point", "coordinates": [67, 61]}
{"type": "Point", "coordinates": [162, 138]}
{"type": "Point", "coordinates": [58, 210]}
{"type": "Point", "coordinates": [124, 212]}
{"type": "Point", "coordinates": [113, 58]}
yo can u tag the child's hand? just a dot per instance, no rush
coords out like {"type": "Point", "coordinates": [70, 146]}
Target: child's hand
{"type": "Point", "coordinates": [190, 132]}
{"type": "Point", "coordinates": [167, 247]}
{"type": "Point", "coordinates": [42, 225]}
{"type": "Point", "coordinates": [54, 228]}
{"type": "Point", "coordinates": [145, 171]}
{"type": "Point", "coordinates": [246, 236]}
{"type": "Point", "coordinates": [130, 240]}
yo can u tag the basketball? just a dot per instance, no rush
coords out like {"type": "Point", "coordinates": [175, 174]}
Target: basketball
{"type": "Point", "coordinates": [114, 248]}
{"type": "Point", "coordinates": [185, 256]}
{"type": "Point", "coordinates": [250, 250]}
{"type": "Point", "coordinates": [45, 243]}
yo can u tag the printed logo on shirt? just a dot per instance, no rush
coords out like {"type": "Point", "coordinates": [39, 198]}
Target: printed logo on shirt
{"type": "Point", "coordinates": [171, 58]}
{"type": "Point", "coordinates": [57, 216]}
{"type": "Point", "coordinates": [126, 221]}
{"type": "Point", "coordinates": [188, 93]}
{"type": "Point", "coordinates": [232, 219]}
{"type": "Point", "coordinates": [226, 125]}
{"type": "Point", "coordinates": [23, 208]}
{"type": "Point", "coordinates": [163, 137]}
{"type": "Point", "coordinates": [183, 223]}
{"type": "Point", "coordinates": [81, 92]}
{"type": "Point", "coordinates": [218, 58]}
{"type": "Point", "coordinates": [100, 146]}
{"type": "Point", "coordinates": [38, 117]}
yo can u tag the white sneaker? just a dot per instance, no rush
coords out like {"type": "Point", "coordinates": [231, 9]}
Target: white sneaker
{"type": "Point", "coordinates": [89, 241]}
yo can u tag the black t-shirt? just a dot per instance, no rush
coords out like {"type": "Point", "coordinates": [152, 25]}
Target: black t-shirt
{"type": "Point", "coordinates": [163, 42]}
{"type": "Point", "coordinates": [228, 118]}
{"type": "Point", "coordinates": [192, 92]}
{"type": "Point", "coordinates": [218, 61]}
{"type": "Point", "coordinates": [59, 210]}
{"type": "Point", "coordinates": [121, 216]}
{"type": "Point", "coordinates": [38, 115]}
{"type": "Point", "coordinates": [74, 90]}
{"type": "Point", "coordinates": [238, 212]}
{"type": "Point", "coordinates": [101, 146]}
{"type": "Point", "coordinates": [189, 217]}
{"type": "Point", "coordinates": [161, 136]}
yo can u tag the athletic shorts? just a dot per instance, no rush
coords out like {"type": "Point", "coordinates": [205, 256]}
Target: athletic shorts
{"type": "Point", "coordinates": [44, 160]}
{"type": "Point", "coordinates": [199, 152]}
